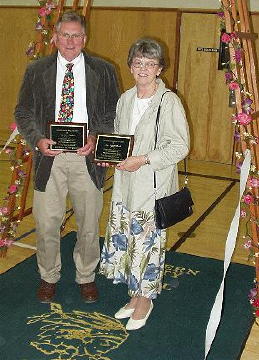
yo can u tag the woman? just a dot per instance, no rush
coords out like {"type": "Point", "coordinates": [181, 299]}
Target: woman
{"type": "Point", "coordinates": [134, 249]}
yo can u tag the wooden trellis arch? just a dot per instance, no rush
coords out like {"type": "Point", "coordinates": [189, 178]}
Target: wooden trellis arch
{"type": "Point", "coordinates": [238, 24]}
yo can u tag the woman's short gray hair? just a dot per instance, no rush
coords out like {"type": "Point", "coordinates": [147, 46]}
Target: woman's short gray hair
{"type": "Point", "coordinates": [71, 16]}
{"type": "Point", "coordinates": [148, 48]}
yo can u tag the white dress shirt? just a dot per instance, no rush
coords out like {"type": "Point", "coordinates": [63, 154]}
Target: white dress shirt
{"type": "Point", "coordinates": [80, 111]}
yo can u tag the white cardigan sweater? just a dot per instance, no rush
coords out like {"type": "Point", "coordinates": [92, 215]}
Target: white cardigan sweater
{"type": "Point", "coordinates": [135, 189]}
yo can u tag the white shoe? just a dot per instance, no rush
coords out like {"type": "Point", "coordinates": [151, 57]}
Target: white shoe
{"type": "Point", "coordinates": [137, 324]}
{"type": "Point", "coordinates": [124, 313]}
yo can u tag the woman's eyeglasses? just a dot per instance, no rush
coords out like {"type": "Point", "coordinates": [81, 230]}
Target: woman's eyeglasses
{"type": "Point", "coordinates": [148, 65]}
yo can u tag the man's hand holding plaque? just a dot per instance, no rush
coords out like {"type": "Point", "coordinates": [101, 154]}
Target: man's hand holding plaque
{"type": "Point", "coordinates": [112, 148]}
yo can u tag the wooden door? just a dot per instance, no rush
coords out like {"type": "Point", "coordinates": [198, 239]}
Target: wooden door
{"type": "Point", "coordinates": [126, 26]}
{"type": "Point", "coordinates": [203, 90]}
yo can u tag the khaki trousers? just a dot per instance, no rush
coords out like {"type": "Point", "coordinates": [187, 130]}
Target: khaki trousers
{"type": "Point", "coordinates": [69, 175]}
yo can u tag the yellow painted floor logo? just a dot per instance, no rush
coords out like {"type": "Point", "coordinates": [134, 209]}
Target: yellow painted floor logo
{"type": "Point", "coordinates": [173, 273]}
{"type": "Point", "coordinates": [69, 336]}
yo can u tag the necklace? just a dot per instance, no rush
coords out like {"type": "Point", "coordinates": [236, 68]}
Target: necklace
{"type": "Point", "coordinates": [142, 104]}
{"type": "Point", "coordinates": [144, 96]}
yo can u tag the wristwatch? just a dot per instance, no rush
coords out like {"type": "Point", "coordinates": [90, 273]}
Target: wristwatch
{"type": "Point", "coordinates": [147, 161]}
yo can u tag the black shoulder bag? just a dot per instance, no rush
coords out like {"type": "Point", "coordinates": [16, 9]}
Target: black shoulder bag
{"type": "Point", "coordinates": [174, 208]}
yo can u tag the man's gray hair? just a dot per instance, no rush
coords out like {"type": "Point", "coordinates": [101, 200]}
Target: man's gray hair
{"type": "Point", "coordinates": [148, 48]}
{"type": "Point", "coordinates": [71, 16]}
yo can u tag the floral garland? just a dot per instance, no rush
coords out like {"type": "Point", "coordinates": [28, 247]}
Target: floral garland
{"type": "Point", "coordinates": [240, 120]}
{"type": "Point", "coordinates": [8, 226]}
{"type": "Point", "coordinates": [35, 50]}
{"type": "Point", "coordinates": [44, 26]}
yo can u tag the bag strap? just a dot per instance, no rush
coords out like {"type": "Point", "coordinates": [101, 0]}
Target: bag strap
{"type": "Point", "coordinates": [158, 115]}
{"type": "Point", "coordinates": [156, 135]}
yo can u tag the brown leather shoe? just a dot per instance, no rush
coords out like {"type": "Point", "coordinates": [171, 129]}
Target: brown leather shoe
{"type": "Point", "coordinates": [89, 292]}
{"type": "Point", "coordinates": [46, 292]}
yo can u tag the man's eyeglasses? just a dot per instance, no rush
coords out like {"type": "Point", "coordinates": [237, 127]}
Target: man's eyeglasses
{"type": "Point", "coordinates": [148, 65]}
{"type": "Point", "coordinates": [71, 36]}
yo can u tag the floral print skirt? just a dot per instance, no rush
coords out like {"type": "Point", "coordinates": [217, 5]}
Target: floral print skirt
{"type": "Point", "coordinates": [134, 251]}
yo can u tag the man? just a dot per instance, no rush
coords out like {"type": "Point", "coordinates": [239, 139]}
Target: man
{"type": "Point", "coordinates": [57, 173]}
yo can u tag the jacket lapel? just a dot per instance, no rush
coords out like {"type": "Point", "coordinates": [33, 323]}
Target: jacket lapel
{"type": "Point", "coordinates": [92, 82]}
{"type": "Point", "coordinates": [49, 80]}
{"type": "Point", "coordinates": [129, 111]}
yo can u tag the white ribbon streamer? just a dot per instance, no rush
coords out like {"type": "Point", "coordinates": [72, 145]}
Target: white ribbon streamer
{"type": "Point", "coordinates": [24, 245]}
{"type": "Point", "coordinates": [215, 315]}
{"type": "Point", "coordinates": [12, 136]}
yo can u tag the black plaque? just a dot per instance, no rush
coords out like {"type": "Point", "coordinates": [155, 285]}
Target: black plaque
{"type": "Point", "coordinates": [68, 136]}
{"type": "Point", "coordinates": [113, 148]}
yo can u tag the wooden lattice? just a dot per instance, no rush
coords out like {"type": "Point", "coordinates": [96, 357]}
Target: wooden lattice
{"type": "Point", "coordinates": [244, 67]}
